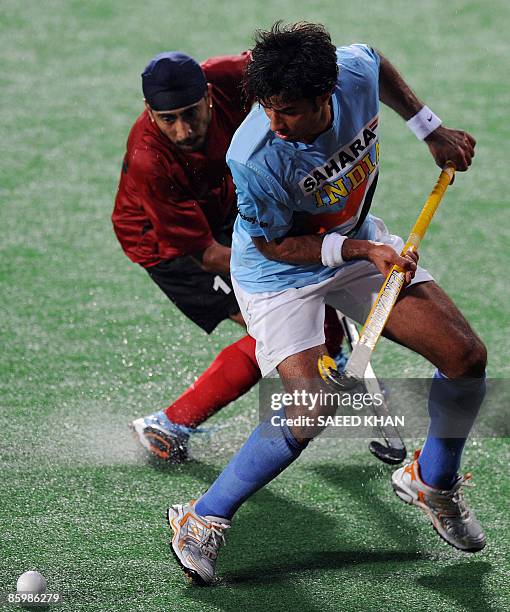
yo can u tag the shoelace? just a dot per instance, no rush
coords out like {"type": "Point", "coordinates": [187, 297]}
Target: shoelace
{"type": "Point", "coordinates": [214, 539]}
{"type": "Point", "coordinates": [453, 505]}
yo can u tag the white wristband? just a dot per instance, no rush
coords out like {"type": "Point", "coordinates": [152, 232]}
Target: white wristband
{"type": "Point", "coordinates": [331, 251]}
{"type": "Point", "coordinates": [423, 123]}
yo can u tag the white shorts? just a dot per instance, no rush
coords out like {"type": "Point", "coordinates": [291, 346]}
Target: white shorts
{"type": "Point", "coordinates": [286, 322]}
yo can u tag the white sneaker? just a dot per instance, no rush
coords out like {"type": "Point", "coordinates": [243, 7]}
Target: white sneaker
{"type": "Point", "coordinates": [447, 510]}
{"type": "Point", "coordinates": [196, 541]}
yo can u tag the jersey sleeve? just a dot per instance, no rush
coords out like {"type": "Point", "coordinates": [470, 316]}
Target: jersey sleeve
{"type": "Point", "coordinates": [178, 222]}
{"type": "Point", "coordinates": [363, 58]}
{"type": "Point", "coordinates": [262, 204]}
{"type": "Point", "coordinates": [367, 53]}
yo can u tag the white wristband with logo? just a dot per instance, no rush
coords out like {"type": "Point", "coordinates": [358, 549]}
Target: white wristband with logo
{"type": "Point", "coordinates": [423, 123]}
{"type": "Point", "coordinates": [331, 250]}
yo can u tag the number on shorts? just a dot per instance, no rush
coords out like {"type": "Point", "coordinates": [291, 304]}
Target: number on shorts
{"type": "Point", "coordinates": [219, 283]}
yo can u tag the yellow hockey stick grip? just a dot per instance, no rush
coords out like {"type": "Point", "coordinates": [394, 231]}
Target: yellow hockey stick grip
{"type": "Point", "coordinates": [429, 209]}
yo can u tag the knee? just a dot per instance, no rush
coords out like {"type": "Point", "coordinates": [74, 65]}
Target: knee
{"type": "Point", "coordinates": [475, 359]}
{"type": "Point", "coordinates": [306, 422]}
{"type": "Point", "coordinates": [468, 359]}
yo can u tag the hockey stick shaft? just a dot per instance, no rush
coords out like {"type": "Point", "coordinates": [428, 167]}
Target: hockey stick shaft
{"type": "Point", "coordinates": [394, 282]}
{"type": "Point", "coordinates": [390, 433]}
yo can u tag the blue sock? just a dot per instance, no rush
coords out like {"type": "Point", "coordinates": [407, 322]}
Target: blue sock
{"type": "Point", "coordinates": [453, 407]}
{"type": "Point", "coordinates": [266, 453]}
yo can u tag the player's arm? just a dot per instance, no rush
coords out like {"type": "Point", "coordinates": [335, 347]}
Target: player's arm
{"type": "Point", "coordinates": [179, 222]}
{"type": "Point", "coordinates": [215, 258]}
{"type": "Point", "coordinates": [308, 250]}
{"type": "Point", "coordinates": [444, 143]}
{"type": "Point", "coordinates": [266, 217]}
{"type": "Point", "coordinates": [293, 250]}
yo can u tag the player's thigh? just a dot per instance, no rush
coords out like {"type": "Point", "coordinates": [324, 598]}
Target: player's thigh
{"type": "Point", "coordinates": [204, 297]}
{"type": "Point", "coordinates": [427, 321]}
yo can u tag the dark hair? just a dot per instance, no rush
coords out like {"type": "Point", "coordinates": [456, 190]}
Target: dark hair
{"type": "Point", "coordinates": [292, 62]}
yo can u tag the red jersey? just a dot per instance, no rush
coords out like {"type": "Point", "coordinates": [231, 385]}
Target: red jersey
{"type": "Point", "coordinates": [169, 202]}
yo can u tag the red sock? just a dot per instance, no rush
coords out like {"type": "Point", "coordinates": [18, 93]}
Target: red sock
{"type": "Point", "coordinates": [230, 375]}
{"type": "Point", "coordinates": [333, 331]}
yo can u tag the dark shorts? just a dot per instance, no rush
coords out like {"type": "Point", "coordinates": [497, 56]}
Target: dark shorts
{"type": "Point", "coordinates": [204, 297]}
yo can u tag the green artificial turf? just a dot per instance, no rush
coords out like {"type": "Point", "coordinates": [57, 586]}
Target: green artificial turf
{"type": "Point", "coordinates": [88, 341]}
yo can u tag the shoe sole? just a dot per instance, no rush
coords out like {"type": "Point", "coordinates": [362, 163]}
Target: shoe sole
{"type": "Point", "coordinates": [192, 576]}
{"type": "Point", "coordinates": [409, 498]}
{"type": "Point", "coordinates": [157, 445]}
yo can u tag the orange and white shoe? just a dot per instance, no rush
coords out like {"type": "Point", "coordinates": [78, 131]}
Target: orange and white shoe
{"type": "Point", "coordinates": [447, 510]}
{"type": "Point", "coordinates": [196, 541]}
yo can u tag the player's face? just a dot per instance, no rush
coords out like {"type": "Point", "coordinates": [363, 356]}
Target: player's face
{"type": "Point", "coordinates": [185, 127]}
{"type": "Point", "coordinates": [299, 120]}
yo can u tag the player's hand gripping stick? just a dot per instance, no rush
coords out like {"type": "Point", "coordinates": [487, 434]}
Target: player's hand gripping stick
{"type": "Point", "coordinates": [383, 305]}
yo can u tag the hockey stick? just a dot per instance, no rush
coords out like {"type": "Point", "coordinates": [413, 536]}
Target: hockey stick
{"type": "Point", "coordinates": [394, 451]}
{"type": "Point", "coordinates": [390, 290]}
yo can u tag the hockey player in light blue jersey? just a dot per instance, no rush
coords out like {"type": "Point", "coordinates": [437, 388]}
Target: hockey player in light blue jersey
{"type": "Point", "coordinates": [305, 164]}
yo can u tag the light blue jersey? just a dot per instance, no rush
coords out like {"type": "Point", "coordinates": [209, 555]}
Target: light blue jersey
{"type": "Point", "coordinates": [289, 188]}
